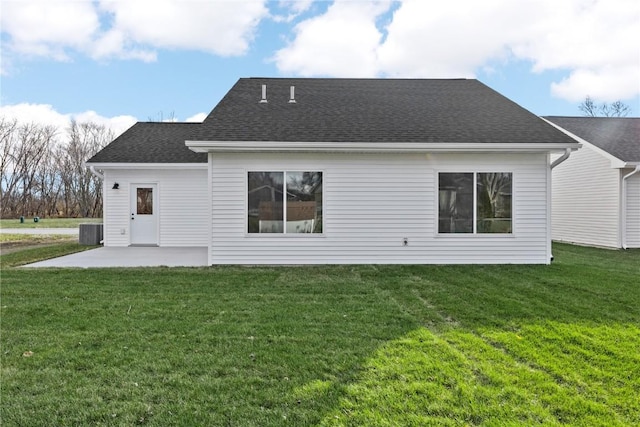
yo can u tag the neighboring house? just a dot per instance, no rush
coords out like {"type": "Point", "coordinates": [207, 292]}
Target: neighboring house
{"type": "Point", "coordinates": [596, 192]}
{"type": "Point", "coordinates": [331, 171]}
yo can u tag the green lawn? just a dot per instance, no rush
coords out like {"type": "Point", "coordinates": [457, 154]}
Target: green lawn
{"type": "Point", "coordinates": [47, 222]}
{"type": "Point", "coordinates": [35, 250]}
{"type": "Point", "coordinates": [330, 346]}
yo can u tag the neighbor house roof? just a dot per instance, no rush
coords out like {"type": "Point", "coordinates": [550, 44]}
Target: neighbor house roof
{"type": "Point", "coordinates": [371, 111]}
{"type": "Point", "coordinates": [151, 142]}
{"type": "Point", "coordinates": [618, 136]}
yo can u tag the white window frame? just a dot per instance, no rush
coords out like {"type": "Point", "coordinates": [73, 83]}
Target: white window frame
{"type": "Point", "coordinates": [284, 204]}
{"type": "Point", "coordinates": [475, 204]}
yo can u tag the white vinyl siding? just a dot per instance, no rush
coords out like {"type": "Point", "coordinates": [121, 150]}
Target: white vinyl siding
{"type": "Point", "coordinates": [182, 205]}
{"type": "Point", "coordinates": [371, 203]}
{"type": "Point", "coordinates": [586, 200]}
{"type": "Point", "coordinates": [633, 211]}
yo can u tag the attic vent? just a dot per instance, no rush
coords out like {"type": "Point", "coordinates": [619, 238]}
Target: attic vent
{"type": "Point", "coordinates": [292, 95]}
{"type": "Point", "coordinates": [264, 95]}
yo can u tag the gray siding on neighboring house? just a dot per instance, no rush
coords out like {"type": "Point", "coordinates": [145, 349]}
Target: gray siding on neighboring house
{"type": "Point", "coordinates": [371, 203]}
{"type": "Point", "coordinates": [586, 200]}
{"type": "Point", "coordinates": [633, 211]}
{"type": "Point", "coordinates": [182, 205]}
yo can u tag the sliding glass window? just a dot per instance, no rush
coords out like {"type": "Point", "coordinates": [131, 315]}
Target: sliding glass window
{"type": "Point", "coordinates": [284, 202]}
{"type": "Point", "coordinates": [478, 202]}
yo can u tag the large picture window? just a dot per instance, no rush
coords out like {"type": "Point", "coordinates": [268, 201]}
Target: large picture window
{"type": "Point", "coordinates": [477, 202]}
{"type": "Point", "coordinates": [284, 202]}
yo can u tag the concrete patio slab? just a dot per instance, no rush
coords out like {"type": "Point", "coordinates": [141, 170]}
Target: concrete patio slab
{"type": "Point", "coordinates": [130, 257]}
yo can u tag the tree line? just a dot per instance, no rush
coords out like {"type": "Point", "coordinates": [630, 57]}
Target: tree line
{"type": "Point", "coordinates": [42, 170]}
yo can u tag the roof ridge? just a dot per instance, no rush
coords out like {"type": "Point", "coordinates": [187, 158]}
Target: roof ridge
{"type": "Point", "coordinates": [167, 123]}
{"type": "Point", "coordinates": [358, 78]}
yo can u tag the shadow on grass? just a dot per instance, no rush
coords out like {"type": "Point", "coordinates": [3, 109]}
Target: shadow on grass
{"type": "Point", "coordinates": [507, 345]}
{"type": "Point", "coordinates": [185, 346]}
{"type": "Point", "coordinates": [379, 345]}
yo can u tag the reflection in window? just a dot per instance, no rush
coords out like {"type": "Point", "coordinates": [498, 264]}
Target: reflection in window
{"type": "Point", "coordinates": [304, 202]}
{"type": "Point", "coordinates": [455, 200]}
{"type": "Point", "coordinates": [144, 204]}
{"type": "Point", "coordinates": [268, 207]}
{"type": "Point", "coordinates": [265, 202]}
{"type": "Point", "coordinates": [491, 202]}
{"type": "Point", "coordinates": [494, 202]}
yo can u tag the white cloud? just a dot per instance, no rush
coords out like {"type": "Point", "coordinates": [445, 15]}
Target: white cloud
{"type": "Point", "coordinates": [297, 6]}
{"type": "Point", "coordinates": [294, 9]}
{"type": "Point", "coordinates": [47, 28]}
{"type": "Point", "coordinates": [596, 41]}
{"type": "Point", "coordinates": [606, 84]}
{"type": "Point", "coordinates": [447, 39]}
{"type": "Point", "coordinates": [128, 29]}
{"type": "Point", "coordinates": [197, 118]}
{"type": "Point", "coordinates": [220, 27]}
{"type": "Point", "coordinates": [342, 42]}
{"type": "Point", "coordinates": [593, 41]}
{"type": "Point", "coordinates": [112, 44]}
{"type": "Point", "coordinates": [45, 114]}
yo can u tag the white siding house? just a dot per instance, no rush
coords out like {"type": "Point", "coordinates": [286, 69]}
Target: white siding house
{"type": "Point", "coordinates": [181, 209]}
{"type": "Point", "coordinates": [340, 171]}
{"type": "Point", "coordinates": [596, 192]}
{"type": "Point", "coordinates": [373, 204]}
{"type": "Point", "coordinates": [150, 160]}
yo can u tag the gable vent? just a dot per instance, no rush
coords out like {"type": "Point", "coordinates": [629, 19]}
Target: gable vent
{"type": "Point", "coordinates": [263, 100]}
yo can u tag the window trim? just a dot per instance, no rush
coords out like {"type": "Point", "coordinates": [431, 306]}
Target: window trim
{"type": "Point", "coordinates": [284, 234]}
{"type": "Point", "coordinates": [474, 234]}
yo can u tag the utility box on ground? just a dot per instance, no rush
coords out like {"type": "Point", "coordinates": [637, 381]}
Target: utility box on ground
{"type": "Point", "coordinates": [90, 234]}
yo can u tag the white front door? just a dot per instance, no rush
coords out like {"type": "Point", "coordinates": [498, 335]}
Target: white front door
{"type": "Point", "coordinates": [144, 214]}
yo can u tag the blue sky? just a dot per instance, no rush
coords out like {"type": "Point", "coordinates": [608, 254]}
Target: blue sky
{"type": "Point", "coordinates": [117, 61]}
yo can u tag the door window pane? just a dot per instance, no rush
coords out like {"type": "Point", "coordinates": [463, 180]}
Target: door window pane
{"type": "Point", "coordinates": [304, 202]}
{"type": "Point", "coordinates": [494, 202]}
{"type": "Point", "coordinates": [455, 203]}
{"type": "Point", "coordinates": [265, 198]}
{"type": "Point", "coordinates": [144, 205]}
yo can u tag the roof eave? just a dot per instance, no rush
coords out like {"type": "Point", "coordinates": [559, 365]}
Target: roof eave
{"type": "Point", "coordinates": [123, 165]}
{"type": "Point", "coordinates": [374, 147]}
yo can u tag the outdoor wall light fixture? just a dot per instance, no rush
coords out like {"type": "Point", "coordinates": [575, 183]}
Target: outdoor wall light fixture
{"type": "Point", "coordinates": [115, 186]}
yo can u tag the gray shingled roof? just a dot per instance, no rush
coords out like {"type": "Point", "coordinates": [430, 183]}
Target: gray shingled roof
{"type": "Point", "coordinates": [340, 110]}
{"type": "Point", "coordinates": [373, 110]}
{"type": "Point", "coordinates": [618, 136]}
{"type": "Point", "coordinates": [152, 143]}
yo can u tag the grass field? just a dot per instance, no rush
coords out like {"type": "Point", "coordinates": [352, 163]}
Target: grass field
{"type": "Point", "coordinates": [329, 346]}
{"type": "Point", "coordinates": [47, 222]}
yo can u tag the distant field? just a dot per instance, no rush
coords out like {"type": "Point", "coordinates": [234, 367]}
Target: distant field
{"type": "Point", "coordinates": [46, 222]}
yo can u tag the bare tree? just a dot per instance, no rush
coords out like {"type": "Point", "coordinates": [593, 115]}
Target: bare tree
{"type": "Point", "coordinates": [617, 109]}
{"type": "Point", "coordinates": [24, 150]}
{"type": "Point", "coordinates": [160, 118]}
{"type": "Point", "coordinates": [42, 172]}
{"type": "Point", "coordinates": [82, 190]}
{"type": "Point", "coordinates": [7, 169]}
{"type": "Point", "coordinates": [590, 108]}
{"type": "Point", "coordinates": [49, 185]}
